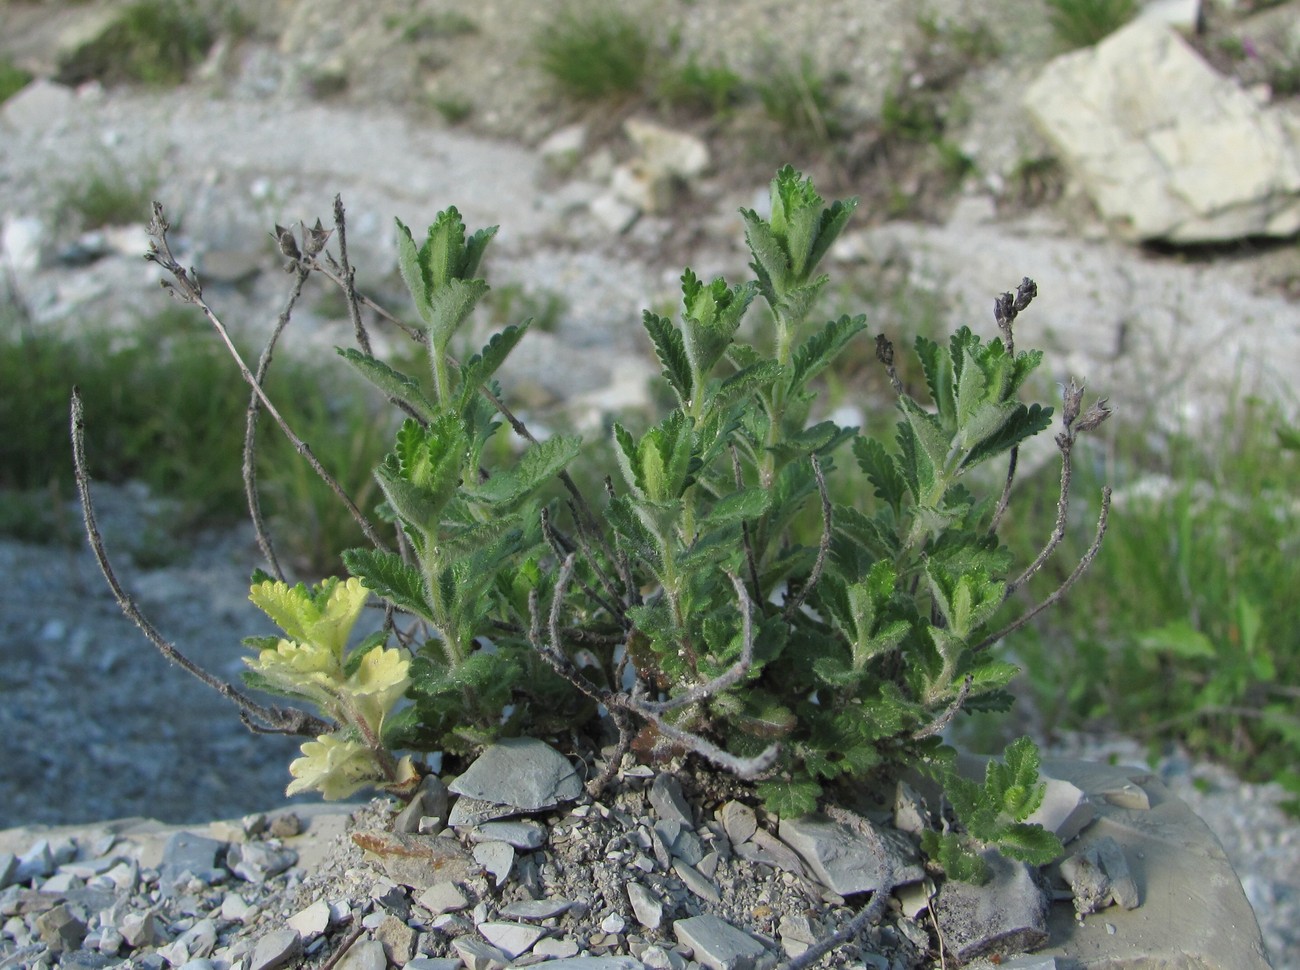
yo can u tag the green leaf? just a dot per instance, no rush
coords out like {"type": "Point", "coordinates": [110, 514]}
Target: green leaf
{"type": "Point", "coordinates": [392, 382]}
{"type": "Point", "coordinates": [388, 576]}
{"type": "Point", "coordinates": [882, 471]}
{"type": "Point", "coordinates": [937, 364]}
{"type": "Point", "coordinates": [1179, 638]}
{"type": "Point", "coordinates": [748, 380]}
{"type": "Point", "coordinates": [537, 466]}
{"type": "Point", "coordinates": [1021, 423]}
{"type": "Point", "coordinates": [931, 445]}
{"type": "Point", "coordinates": [771, 264]}
{"type": "Point", "coordinates": [450, 306]}
{"type": "Point", "coordinates": [821, 439]}
{"type": "Point", "coordinates": [711, 315]}
{"type": "Point", "coordinates": [822, 347]}
{"type": "Point", "coordinates": [408, 262]}
{"type": "Point", "coordinates": [480, 368]}
{"type": "Point", "coordinates": [789, 798]}
{"type": "Point", "coordinates": [671, 351]}
{"type": "Point", "coordinates": [747, 503]}
{"type": "Point", "coordinates": [1031, 844]}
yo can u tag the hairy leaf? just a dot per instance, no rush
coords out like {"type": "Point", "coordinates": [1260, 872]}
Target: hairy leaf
{"type": "Point", "coordinates": [671, 351]}
{"type": "Point", "coordinates": [392, 382]}
{"type": "Point", "coordinates": [388, 576]}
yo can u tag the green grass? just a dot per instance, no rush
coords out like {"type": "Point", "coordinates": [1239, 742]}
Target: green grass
{"type": "Point", "coordinates": [166, 406]}
{"type": "Point", "coordinates": [153, 42]}
{"type": "Point", "coordinates": [1082, 23]}
{"type": "Point", "coordinates": [698, 87]}
{"type": "Point", "coordinates": [1185, 627]}
{"type": "Point", "coordinates": [595, 52]}
{"type": "Point", "coordinates": [799, 99]}
{"type": "Point", "coordinates": [106, 194]}
{"type": "Point", "coordinates": [12, 79]}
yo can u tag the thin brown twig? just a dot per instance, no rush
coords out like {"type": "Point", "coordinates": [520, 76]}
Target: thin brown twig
{"type": "Point", "coordinates": [250, 428]}
{"type": "Point", "coordinates": [871, 912]}
{"type": "Point", "coordinates": [346, 945]}
{"type": "Point", "coordinates": [729, 677]}
{"type": "Point", "coordinates": [938, 725]}
{"type": "Point", "coordinates": [1065, 442]}
{"type": "Point", "coordinates": [258, 718]}
{"type": "Point", "coordinates": [1078, 571]}
{"type": "Point", "coordinates": [349, 277]}
{"type": "Point", "coordinates": [187, 289]}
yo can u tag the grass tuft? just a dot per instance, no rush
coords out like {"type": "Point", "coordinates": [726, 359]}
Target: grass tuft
{"type": "Point", "coordinates": [1082, 23]}
{"type": "Point", "coordinates": [592, 53]}
{"type": "Point", "coordinates": [12, 79]}
{"type": "Point", "coordinates": [152, 42]}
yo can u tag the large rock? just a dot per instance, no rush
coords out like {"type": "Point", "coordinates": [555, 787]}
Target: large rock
{"type": "Point", "coordinates": [1167, 148]}
{"type": "Point", "coordinates": [1192, 912]}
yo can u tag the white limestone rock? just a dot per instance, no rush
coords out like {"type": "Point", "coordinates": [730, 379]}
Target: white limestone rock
{"type": "Point", "coordinates": [1167, 148]}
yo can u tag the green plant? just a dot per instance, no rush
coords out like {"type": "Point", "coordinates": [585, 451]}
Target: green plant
{"type": "Point", "coordinates": [799, 99]}
{"type": "Point", "coordinates": [707, 88]}
{"type": "Point", "coordinates": [1082, 23]}
{"type": "Point", "coordinates": [454, 109]}
{"type": "Point", "coordinates": [595, 52]}
{"type": "Point", "coordinates": [428, 26]}
{"type": "Point", "coordinates": [12, 79]}
{"type": "Point", "coordinates": [993, 815]}
{"type": "Point", "coordinates": [105, 194]}
{"type": "Point", "coordinates": [149, 41]}
{"type": "Point", "coordinates": [717, 601]}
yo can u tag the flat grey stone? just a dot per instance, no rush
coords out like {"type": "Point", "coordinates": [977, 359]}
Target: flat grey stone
{"type": "Point", "coordinates": [646, 906]}
{"type": "Point", "coordinates": [1065, 810]}
{"type": "Point", "coordinates": [738, 821]}
{"type": "Point", "coordinates": [8, 869]}
{"type": "Point", "coordinates": [512, 939]}
{"type": "Point", "coordinates": [520, 833]}
{"type": "Point", "coordinates": [717, 944]}
{"type": "Point", "coordinates": [910, 814]}
{"type": "Point", "coordinates": [595, 963]}
{"type": "Point", "coordinates": [1006, 915]}
{"type": "Point", "coordinates": [187, 853]}
{"type": "Point", "coordinates": [845, 862]}
{"type": "Point", "coordinates": [433, 963]}
{"type": "Point", "coordinates": [478, 954]}
{"type": "Point", "coordinates": [312, 921]}
{"type": "Point", "coordinates": [443, 897]}
{"type": "Point", "coordinates": [475, 811]}
{"type": "Point", "coordinates": [497, 858]}
{"type": "Point", "coordinates": [537, 908]}
{"type": "Point", "coordinates": [256, 861]}
{"type": "Point", "coordinates": [432, 800]}
{"type": "Point", "coordinates": [60, 930]}
{"type": "Point", "coordinates": [696, 883]}
{"type": "Point", "coordinates": [364, 955]}
{"type": "Point", "coordinates": [680, 841]}
{"type": "Point", "coordinates": [556, 949]}
{"type": "Point", "coordinates": [667, 800]}
{"type": "Point", "coordinates": [279, 948]}
{"type": "Point", "coordinates": [397, 939]}
{"type": "Point", "coordinates": [523, 772]}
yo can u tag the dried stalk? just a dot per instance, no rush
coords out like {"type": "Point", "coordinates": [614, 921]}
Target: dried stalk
{"type": "Point", "coordinates": [1060, 591]}
{"type": "Point", "coordinates": [258, 718]}
{"type": "Point", "coordinates": [186, 288]}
